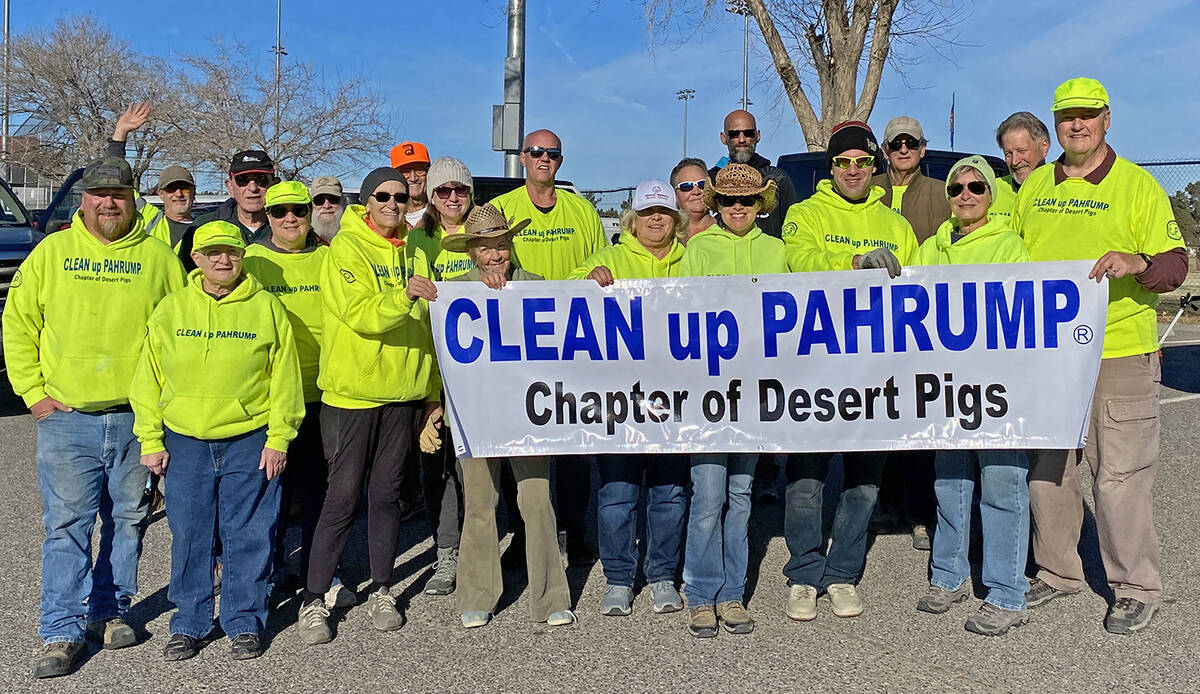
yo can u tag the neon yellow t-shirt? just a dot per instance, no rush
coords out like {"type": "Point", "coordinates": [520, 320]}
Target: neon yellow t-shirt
{"type": "Point", "coordinates": [1127, 211]}
{"type": "Point", "coordinates": [443, 264]}
{"type": "Point", "coordinates": [555, 242]}
{"type": "Point", "coordinates": [897, 196]}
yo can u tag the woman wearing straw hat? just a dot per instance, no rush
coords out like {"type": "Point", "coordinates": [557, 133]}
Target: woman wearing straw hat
{"type": "Point", "coordinates": [717, 547]}
{"type": "Point", "coordinates": [487, 239]}
{"type": "Point", "coordinates": [217, 398]}
{"type": "Point", "coordinates": [973, 236]}
{"type": "Point", "coordinates": [648, 247]}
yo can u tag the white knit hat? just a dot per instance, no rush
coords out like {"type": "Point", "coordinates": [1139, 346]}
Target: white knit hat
{"type": "Point", "coordinates": [444, 170]}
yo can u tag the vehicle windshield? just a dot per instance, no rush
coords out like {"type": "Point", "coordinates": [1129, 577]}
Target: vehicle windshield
{"type": "Point", "coordinates": [11, 214]}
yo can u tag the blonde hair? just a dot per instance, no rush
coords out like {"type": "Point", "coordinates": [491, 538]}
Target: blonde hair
{"type": "Point", "coordinates": [629, 216]}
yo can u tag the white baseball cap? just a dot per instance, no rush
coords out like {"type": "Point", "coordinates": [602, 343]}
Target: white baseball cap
{"type": "Point", "coordinates": [654, 193]}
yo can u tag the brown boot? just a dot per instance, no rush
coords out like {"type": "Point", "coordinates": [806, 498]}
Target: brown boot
{"type": "Point", "coordinates": [735, 618]}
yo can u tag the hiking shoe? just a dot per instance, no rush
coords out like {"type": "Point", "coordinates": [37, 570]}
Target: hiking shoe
{"type": "Point", "coordinates": [381, 608]}
{"type": "Point", "coordinates": [802, 603]}
{"type": "Point", "coordinates": [246, 647]}
{"type": "Point", "coordinates": [618, 601]}
{"type": "Point", "coordinates": [446, 573]}
{"type": "Point", "coordinates": [339, 597]}
{"type": "Point", "coordinates": [113, 633]}
{"type": "Point", "coordinates": [514, 554]}
{"type": "Point", "coordinates": [1041, 593]}
{"type": "Point", "coordinates": [920, 538]}
{"type": "Point", "coordinates": [939, 601]}
{"type": "Point", "coordinates": [702, 621]}
{"type": "Point", "coordinates": [1128, 615]}
{"type": "Point", "coordinates": [57, 659]}
{"type": "Point", "coordinates": [735, 618]}
{"type": "Point", "coordinates": [181, 647]}
{"type": "Point", "coordinates": [664, 598]}
{"type": "Point", "coordinates": [561, 618]}
{"type": "Point", "coordinates": [991, 620]}
{"type": "Point", "coordinates": [475, 618]}
{"type": "Point", "coordinates": [845, 600]}
{"type": "Point", "coordinates": [313, 623]}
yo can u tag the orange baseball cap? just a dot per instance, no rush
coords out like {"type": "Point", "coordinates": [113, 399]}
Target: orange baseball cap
{"type": "Point", "coordinates": [407, 153]}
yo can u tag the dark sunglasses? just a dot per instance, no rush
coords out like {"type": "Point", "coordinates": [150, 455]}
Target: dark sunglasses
{"type": "Point", "coordinates": [326, 199]}
{"type": "Point", "coordinates": [444, 192]}
{"type": "Point", "coordinates": [243, 180]}
{"type": "Point", "coordinates": [172, 187]}
{"type": "Point", "coordinates": [976, 187]}
{"type": "Point", "coordinates": [686, 186]}
{"type": "Point", "coordinates": [904, 141]}
{"type": "Point", "coordinates": [383, 197]}
{"type": "Point", "coordinates": [281, 211]}
{"type": "Point", "coordinates": [536, 152]}
{"type": "Point", "coordinates": [748, 132]}
{"type": "Point", "coordinates": [731, 200]}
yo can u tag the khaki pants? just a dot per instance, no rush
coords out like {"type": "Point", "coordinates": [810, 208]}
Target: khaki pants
{"type": "Point", "coordinates": [480, 580]}
{"type": "Point", "coordinates": [1122, 451]}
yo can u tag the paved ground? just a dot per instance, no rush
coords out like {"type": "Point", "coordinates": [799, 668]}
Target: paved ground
{"type": "Point", "coordinates": [891, 648]}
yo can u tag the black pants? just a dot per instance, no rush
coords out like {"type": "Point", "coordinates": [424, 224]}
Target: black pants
{"type": "Point", "coordinates": [370, 444]}
{"type": "Point", "coordinates": [440, 483]}
{"type": "Point", "coordinates": [303, 478]}
{"type": "Point", "coordinates": [907, 487]}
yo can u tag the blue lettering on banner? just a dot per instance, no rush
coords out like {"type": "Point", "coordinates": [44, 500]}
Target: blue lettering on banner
{"type": "Point", "coordinates": [956, 342]}
{"type": "Point", "coordinates": [905, 320]}
{"type": "Point", "coordinates": [462, 306]}
{"type": "Point", "coordinates": [581, 335]}
{"type": "Point", "coordinates": [535, 328]}
{"type": "Point", "coordinates": [855, 318]}
{"type": "Point", "coordinates": [500, 351]}
{"type": "Point", "coordinates": [1053, 315]}
{"type": "Point", "coordinates": [1009, 319]}
{"type": "Point", "coordinates": [826, 333]}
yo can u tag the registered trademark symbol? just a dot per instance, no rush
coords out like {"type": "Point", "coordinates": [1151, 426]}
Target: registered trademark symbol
{"type": "Point", "coordinates": [1083, 334]}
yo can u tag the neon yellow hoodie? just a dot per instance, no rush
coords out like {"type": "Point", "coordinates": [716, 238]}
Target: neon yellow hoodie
{"type": "Point", "coordinates": [295, 279]}
{"type": "Point", "coordinates": [716, 251]}
{"type": "Point", "coordinates": [443, 264]}
{"type": "Point", "coordinates": [76, 312]}
{"type": "Point", "coordinates": [376, 343]}
{"type": "Point", "coordinates": [994, 242]}
{"type": "Point", "coordinates": [826, 231]}
{"type": "Point", "coordinates": [629, 260]}
{"type": "Point", "coordinates": [215, 369]}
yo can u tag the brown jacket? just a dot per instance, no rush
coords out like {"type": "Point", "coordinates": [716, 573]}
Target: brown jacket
{"type": "Point", "coordinates": [924, 204]}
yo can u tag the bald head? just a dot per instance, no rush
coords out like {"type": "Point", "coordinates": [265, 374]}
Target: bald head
{"type": "Point", "coordinates": [541, 138]}
{"type": "Point", "coordinates": [541, 155]}
{"type": "Point", "coordinates": [740, 119]}
{"type": "Point", "coordinates": [740, 136]}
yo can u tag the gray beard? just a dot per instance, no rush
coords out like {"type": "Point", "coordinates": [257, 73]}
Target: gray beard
{"type": "Point", "coordinates": [326, 229]}
{"type": "Point", "coordinates": [740, 156]}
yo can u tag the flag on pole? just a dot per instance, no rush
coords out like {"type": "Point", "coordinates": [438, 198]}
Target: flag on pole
{"type": "Point", "coordinates": [951, 120]}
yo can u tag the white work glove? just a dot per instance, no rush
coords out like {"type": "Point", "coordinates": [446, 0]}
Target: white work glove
{"type": "Point", "coordinates": [880, 258]}
{"type": "Point", "coordinates": [430, 439]}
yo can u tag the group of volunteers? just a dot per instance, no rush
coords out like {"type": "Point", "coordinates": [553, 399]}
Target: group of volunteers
{"type": "Point", "coordinates": [278, 353]}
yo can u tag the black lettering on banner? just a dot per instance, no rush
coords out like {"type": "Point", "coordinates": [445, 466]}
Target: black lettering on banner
{"type": "Point", "coordinates": [713, 404]}
{"type": "Point", "coordinates": [539, 418]}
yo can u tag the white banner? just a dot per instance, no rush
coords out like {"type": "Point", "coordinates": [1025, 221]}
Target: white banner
{"type": "Point", "coordinates": [978, 356]}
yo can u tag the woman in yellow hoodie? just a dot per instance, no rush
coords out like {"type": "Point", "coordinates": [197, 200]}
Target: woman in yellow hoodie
{"type": "Point", "coordinates": [216, 400]}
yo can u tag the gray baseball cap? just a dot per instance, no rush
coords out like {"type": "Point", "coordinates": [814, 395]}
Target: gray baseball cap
{"type": "Point", "coordinates": [107, 172]}
{"type": "Point", "coordinates": [325, 185]}
{"type": "Point", "coordinates": [174, 174]}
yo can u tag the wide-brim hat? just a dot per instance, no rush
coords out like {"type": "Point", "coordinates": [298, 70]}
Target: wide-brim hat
{"type": "Point", "coordinates": [740, 179]}
{"type": "Point", "coordinates": [483, 222]}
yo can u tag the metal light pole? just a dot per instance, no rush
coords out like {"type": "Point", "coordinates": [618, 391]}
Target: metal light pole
{"type": "Point", "coordinates": [742, 7]}
{"type": "Point", "coordinates": [514, 85]}
{"type": "Point", "coordinates": [279, 53]}
{"type": "Point", "coordinates": [685, 95]}
{"type": "Point", "coordinates": [4, 144]}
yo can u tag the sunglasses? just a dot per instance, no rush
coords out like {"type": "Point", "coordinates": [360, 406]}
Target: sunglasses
{"type": "Point", "coordinates": [686, 186]}
{"type": "Point", "coordinates": [731, 200]}
{"type": "Point", "coordinates": [326, 199]}
{"type": "Point", "coordinates": [172, 187]}
{"type": "Point", "coordinates": [976, 187]}
{"type": "Point", "coordinates": [444, 192]}
{"type": "Point", "coordinates": [244, 180]}
{"type": "Point", "coordinates": [554, 153]}
{"type": "Point", "coordinates": [384, 197]}
{"type": "Point", "coordinates": [281, 211]}
{"type": "Point", "coordinates": [748, 132]}
{"type": "Point", "coordinates": [864, 162]}
{"type": "Point", "coordinates": [904, 141]}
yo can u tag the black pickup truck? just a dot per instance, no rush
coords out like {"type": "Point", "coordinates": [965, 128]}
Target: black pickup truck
{"type": "Point", "coordinates": [18, 236]}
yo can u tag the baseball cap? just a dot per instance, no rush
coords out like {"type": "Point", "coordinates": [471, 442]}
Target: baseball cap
{"type": "Point", "coordinates": [325, 185]}
{"type": "Point", "coordinates": [217, 233]}
{"type": "Point", "coordinates": [251, 161]}
{"type": "Point", "coordinates": [174, 174]}
{"type": "Point", "coordinates": [654, 193]}
{"type": "Point", "coordinates": [903, 125]}
{"type": "Point", "coordinates": [1079, 92]}
{"type": "Point", "coordinates": [287, 192]}
{"type": "Point", "coordinates": [407, 153]}
{"type": "Point", "coordinates": [107, 172]}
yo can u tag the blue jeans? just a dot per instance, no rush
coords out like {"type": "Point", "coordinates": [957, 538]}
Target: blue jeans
{"type": "Point", "coordinates": [1004, 511]}
{"type": "Point", "coordinates": [211, 485]}
{"type": "Point", "coordinates": [806, 473]}
{"type": "Point", "coordinates": [88, 464]}
{"type": "Point", "coordinates": [616, 515]}
{"type": "Point", "coordinates": [718, 549]}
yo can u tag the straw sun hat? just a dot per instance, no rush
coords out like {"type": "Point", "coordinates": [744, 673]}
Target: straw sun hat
{"type": "Point", "coordinates": [484, 221]}
{"type": "Point", "coordinates": [740, 179]}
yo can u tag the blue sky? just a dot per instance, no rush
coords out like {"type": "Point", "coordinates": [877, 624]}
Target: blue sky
{"type": "Point", "coordinates": [595, 76]}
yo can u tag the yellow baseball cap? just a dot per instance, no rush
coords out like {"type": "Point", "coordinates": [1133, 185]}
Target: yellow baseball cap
{"type": "Point", "coordinates": [287, 193]}
{"type": "Point", "coordinates": [1079, 92]}
{"type": "Point", "coordinates": [217, 233]}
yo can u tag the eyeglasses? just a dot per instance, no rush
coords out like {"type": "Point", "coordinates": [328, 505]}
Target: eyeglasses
{"type": "Point", "coordinates": [976, 187]}
{"type": "Point", "coordinates": [748, 132]}
{"type": "Point", "coordinates": [243, 180]}
{"type": "Point", "coordinates": [215, 253]}
{"type": "Point", "coordinates": [383, 197]}
{"type": "Point", "coordinates": [731, 200]}
{"type": "Point", "coordinates": [326, 199]}
{"type": "Point", "coordinates": [554, 153]}
{"type": "Point", "coordinates": [903, 141]}
{"type": "Point", "coordinates": [172, 187]}
{"type": "Point", "coordinates": [686, 186]}
{"type": "Point", "coordinates": [864, 162]}
{"type": "Point", "coordinates": [281, 211]}
{"type": "Point", "coordinates": [444, 192]}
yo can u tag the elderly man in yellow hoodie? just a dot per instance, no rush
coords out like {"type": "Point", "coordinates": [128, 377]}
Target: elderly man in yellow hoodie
{"type": "Point", "coordinates": [72, 334]}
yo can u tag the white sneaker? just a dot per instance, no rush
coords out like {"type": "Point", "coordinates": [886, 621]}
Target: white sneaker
{"type": "Point", "coordinates": [802, 603]}
{"type": "Point", "coordinates": [340, 597]}
{"type": "Point", "coordinates": [845, 600]}
{"type": "Point", "coordinates": [381, 608]}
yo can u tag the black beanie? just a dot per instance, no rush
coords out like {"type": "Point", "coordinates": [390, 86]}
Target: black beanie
{"type": "Point", "coordinates": [373, 180]}
{"type": "Point", "coordinates": [852, 134]}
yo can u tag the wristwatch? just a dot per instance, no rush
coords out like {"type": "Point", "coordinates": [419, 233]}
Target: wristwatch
{"type": "Point", "coordinates": [1147, 259]}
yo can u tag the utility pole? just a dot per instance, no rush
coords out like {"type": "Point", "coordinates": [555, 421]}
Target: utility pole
{"type": "Point", "coordinates": [4, 145]}
{"type": "Point", "coordinates": [742, 7]}
{"type": "Point", "coordinates": [508, 119]}
{"type": "Point", "coordinates": [279, 53]}
{"type": "Point", "coordinates": [685, 95]}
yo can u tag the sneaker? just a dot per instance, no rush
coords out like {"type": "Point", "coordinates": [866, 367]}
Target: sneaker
{"type": "Point", "coordinates": [246, 647]}
{"type": "Point", "coordinates": [57, 659]}
{"type": "Point", "coordinates": [939, 601]}
{"type": "Point", "coordinates": [181, 647]}
{"type": "Point", "coordinates": [446, 573]}
{"type": "Point", "coordinates": [218, 571]}
{"type": "Point", "coordinates": [1128, 615]}
{"type": "Point", "coordinates": [1041, 593]}
{"type": "Point", "coordinates": [475, 618]}
{"type": "Point", "coordinates": [845, 600]}
{"type": "Point", "coordinates": [381, 608]}
{"type": "Point", "coordinates": [113, 633]}
{"type": "Point", "coordinates": [514, 555]}
{"type": "Point", "coordinates": [991, 620]}
{"type": "Point", "coordinates": [618, 601]}
{"type": "Point", "coordinates": [702, 621]}
{"type": "Point", "coordinates": [561, 618]}
{"type": "Point", "coordinates": [313, 623]}
{"type": "Point", "coordinates": [735, 618]}
{"type": "Point", "coordinates": [664, 598]}
{"type": "Point", "coordinates": [802, 603]}
{"type": "Point", "coordinates": [920, 538]}
{"type": "Point", "coordinates": [340, 597]}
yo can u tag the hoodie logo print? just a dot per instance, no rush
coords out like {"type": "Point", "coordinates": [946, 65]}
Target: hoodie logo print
{"type": "Point", "coordinates": [348, 276]}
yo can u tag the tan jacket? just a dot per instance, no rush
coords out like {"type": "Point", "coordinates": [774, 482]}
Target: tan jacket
{"type": "Point", "coordinates": [924, 204]}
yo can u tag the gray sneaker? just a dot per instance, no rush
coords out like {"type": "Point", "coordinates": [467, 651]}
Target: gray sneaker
{"type": "Point", "coordinates": [446, 573]}
{"type": "Point", "coordinates": [1128, 615]}
{"type": "Point", "coordinates": [618, 601]}
{"type": "Point", "coordinates": [381, 608]}
{"type": "Point", "coordinates": [939, 601]}
{"type": "Point", "coordinates": [665, 598]}
{"type": "Point", "coordinates": [1041, 593]}
{"type": "Point", "coordinates": [991, 620]}
{"type": "Point", "coordinates": [313, 623]}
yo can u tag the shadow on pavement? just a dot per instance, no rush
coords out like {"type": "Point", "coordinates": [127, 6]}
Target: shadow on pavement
{"type": "Point", "coordinates": [1181, 368]}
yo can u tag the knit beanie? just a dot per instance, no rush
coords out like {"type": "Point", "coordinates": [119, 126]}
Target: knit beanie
{"type": "Point", "coordinates": [852, 134]}
{"type": "Point", "coordinates": [377, 177]}
{"type": "Point", "coordinates": [445, 170]}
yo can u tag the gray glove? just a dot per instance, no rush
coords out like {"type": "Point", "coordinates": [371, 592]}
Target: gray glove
{"type": "Point", "coordinates": [880, 258]}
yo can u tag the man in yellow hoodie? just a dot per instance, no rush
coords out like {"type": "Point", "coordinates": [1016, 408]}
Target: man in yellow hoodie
{"type": "Point", "coordinates": [72, 334]}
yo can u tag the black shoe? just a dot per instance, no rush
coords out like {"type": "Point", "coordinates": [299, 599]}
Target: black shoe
{"type": "Point", "coordinates": [57, 659]}
{"type": "Point", "coordinates": [181, 647]}
{"type": "Point", "coordinates": [246, 647]}
{"type": "Point", "coordinates": [514, 556]}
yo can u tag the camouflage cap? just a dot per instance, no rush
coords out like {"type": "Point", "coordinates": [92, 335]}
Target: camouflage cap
{"type": "Point", "coordinates": [107, 172]}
